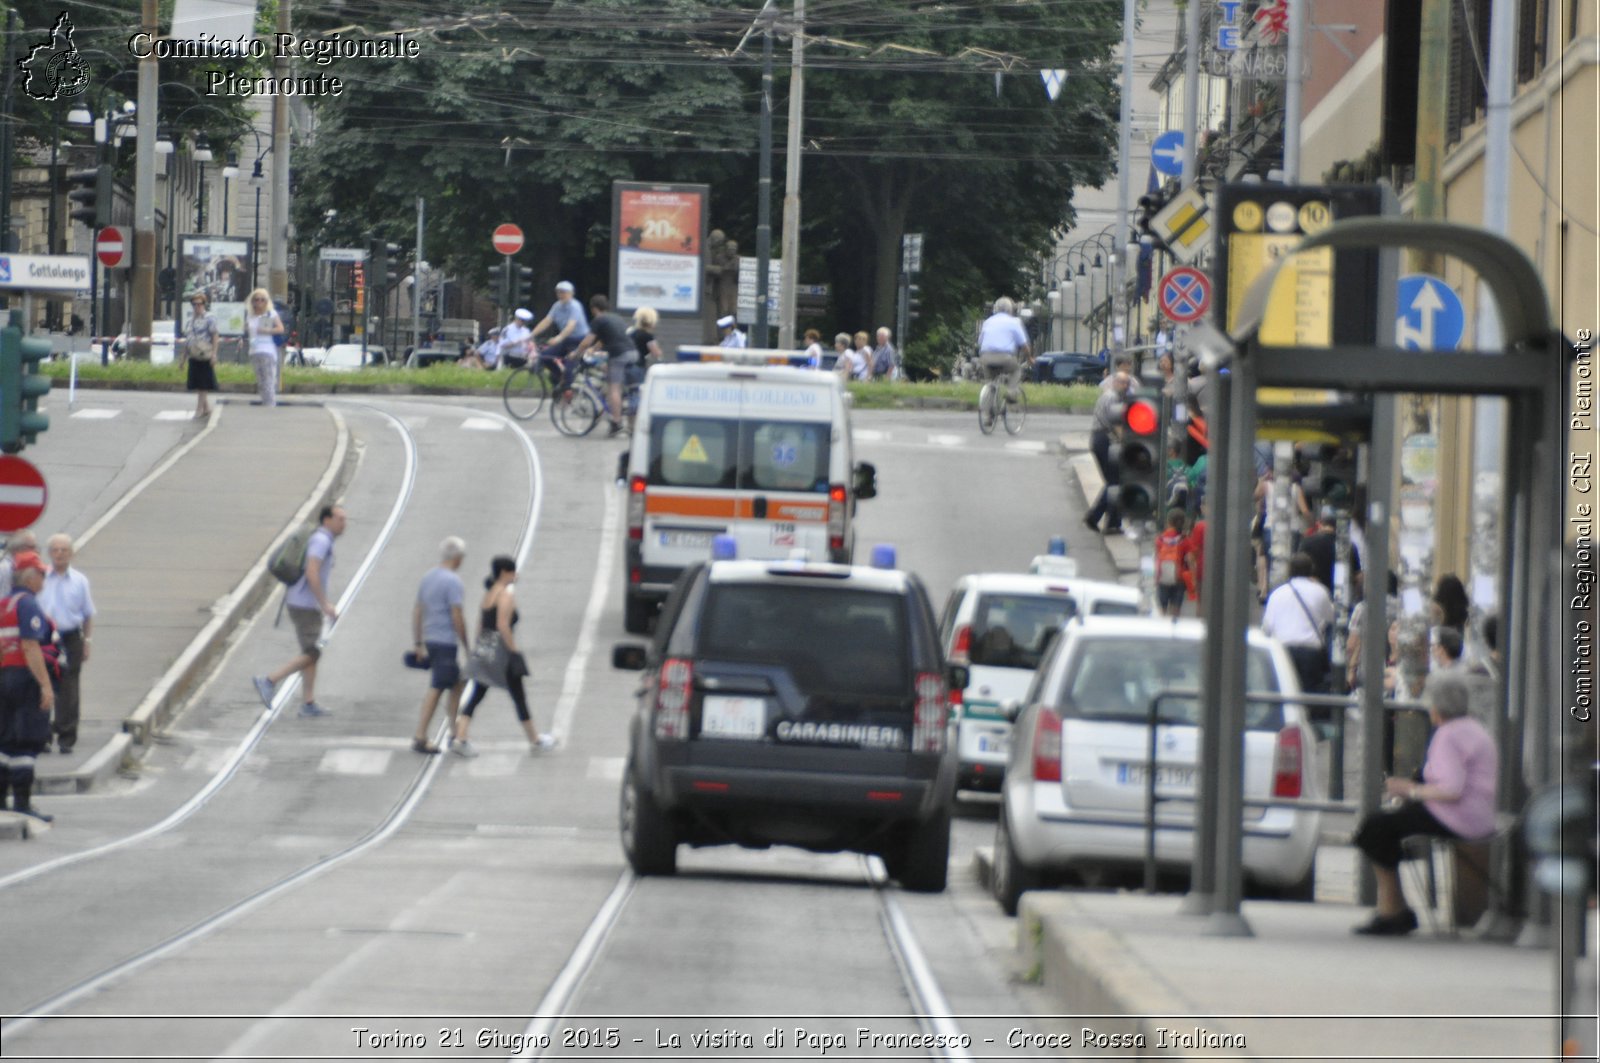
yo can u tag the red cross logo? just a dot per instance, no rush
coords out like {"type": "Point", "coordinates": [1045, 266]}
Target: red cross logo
{"type": "Point", "coordinates": [1272, 21]}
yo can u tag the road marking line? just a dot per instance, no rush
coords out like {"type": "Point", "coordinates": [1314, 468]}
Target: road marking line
{"type": "Point", "coordinates": [483, 424]}
{"type": "Point", "coordinates": [870, 435]}
{"type": "Point", "coordinates": [174, 415]}
{"type": "Point", "coordinates": [947, 440]}
{"type": "Point", "coordinates": [1027, 446]}
{"type": "Point", "coordinates": [99, 413]}
{"type": "Point", "coordinates": [572, 681]}
{"type": "Point", "coordinates": [355, 761]}
{"type": "Point", "coordinates": [605, 769]}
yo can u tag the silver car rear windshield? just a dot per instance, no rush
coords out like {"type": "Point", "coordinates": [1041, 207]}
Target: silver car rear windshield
{"type": "Point", "coordinates": [829, 639]}
{"type": "Point", "coordinates": [1116, 678]}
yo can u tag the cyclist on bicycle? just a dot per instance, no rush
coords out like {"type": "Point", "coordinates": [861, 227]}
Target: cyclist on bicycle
{"type": "Point", "coordinates": [609, 331]}
{"type": "Point", "coordinates": [566, 315]}
{"type": "Point", "coordinates": [1001, 342]}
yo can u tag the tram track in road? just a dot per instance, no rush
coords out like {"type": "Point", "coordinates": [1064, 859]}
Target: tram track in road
{"type": "Point", "coordinates": [940, 1032]}
{"type": "Point", "coordinates": [390, 821]}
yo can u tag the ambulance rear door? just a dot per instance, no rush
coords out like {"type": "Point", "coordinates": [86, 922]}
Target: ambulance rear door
{"type": "Point", "coordinates": [790, 428]}
{"type": "Point", "coordinates": [692, 491]}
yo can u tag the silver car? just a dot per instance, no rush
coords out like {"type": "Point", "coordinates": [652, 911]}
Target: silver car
{"type": "Point", "coordinates": [1073, 800]}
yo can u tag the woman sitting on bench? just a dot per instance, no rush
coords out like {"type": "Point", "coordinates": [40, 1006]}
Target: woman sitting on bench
{"type": "Point", "coordinates": [1455, 799]}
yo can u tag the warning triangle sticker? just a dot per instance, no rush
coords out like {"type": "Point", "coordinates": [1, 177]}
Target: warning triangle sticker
{"type": "Point", "coordinates": [694, 450]}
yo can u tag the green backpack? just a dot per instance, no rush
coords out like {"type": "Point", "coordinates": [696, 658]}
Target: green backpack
{"type": "Point", "coordinates": [288, 565]}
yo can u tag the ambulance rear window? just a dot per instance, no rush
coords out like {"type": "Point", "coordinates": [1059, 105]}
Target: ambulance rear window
{"type": "Point", "coordinates": [694, 452]}
{"type": "Point", "coordinates": [786, 456]}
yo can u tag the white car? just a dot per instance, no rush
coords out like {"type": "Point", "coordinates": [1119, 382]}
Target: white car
{"type": "Point", "coordinates": [346, 357]}
{"type": "Point", "coordinates": [163, 343]}
{"type": "Point", "coordinates": [1000, 624]}
{"type": "Point", "coordinates": [1073, 802]}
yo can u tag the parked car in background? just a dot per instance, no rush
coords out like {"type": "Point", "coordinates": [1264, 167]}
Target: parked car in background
{"type": "Point", "coordinates": [1001, 624]}
{"type": "Point", "coordinates": [1073, 802]}
{"type": "Point", "coordinates": [1068, 367]}
{"type": "Point", "coordinates": [346, 357]}
{"type": "Point", "coordinates": [426, 356]}
{"type": "Point", "coordinates": [163, 343]}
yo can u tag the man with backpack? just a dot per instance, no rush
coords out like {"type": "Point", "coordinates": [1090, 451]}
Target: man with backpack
{"type": "Point", "coordinates": [307, 602]}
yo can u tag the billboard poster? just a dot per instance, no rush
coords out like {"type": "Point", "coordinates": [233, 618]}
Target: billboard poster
{"type": "Point", "coordinates": [658, 232]}
{"type": "Point", "coordinates": [220, 267]}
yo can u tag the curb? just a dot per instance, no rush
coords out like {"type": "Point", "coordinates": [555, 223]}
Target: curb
{"type": "Point", "coordinates": [15, 826]}
{"type": "Point", "coordinates": [1125, 553]}
{"type": "Point", "coordinates": [105, 763]}
{"type": "Point", "coordinates": [169, 692]}
{"type": "Point", "coordinates": [1079, 961]}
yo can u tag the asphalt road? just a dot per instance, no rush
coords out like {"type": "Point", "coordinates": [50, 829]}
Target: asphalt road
{"type": "Point", "coordinates": [339, 894]}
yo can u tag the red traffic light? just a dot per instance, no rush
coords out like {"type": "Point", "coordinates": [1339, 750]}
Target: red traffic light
{"type": "Point", "coordinates": [1141, 418]}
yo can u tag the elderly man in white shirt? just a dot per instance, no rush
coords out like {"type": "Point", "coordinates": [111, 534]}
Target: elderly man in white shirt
{"type": "Point", "coordinates": [1299, 614]}
{"type": "Point", "coordinates": [66, 600]}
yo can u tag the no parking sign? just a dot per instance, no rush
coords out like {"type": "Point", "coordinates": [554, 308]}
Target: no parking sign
{"type": "Point", "coordinates": [1185, 294]}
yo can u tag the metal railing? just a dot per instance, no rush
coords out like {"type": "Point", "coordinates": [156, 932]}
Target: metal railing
{"type": "Point", "coordinates": [1335, 803]}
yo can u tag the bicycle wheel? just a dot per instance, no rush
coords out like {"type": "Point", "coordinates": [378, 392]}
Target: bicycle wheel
{"type": "Point", "coordinates": [1015, 413]}
{"type": "Point", "coordinates": [987, 397]}
{"type": "Point", "coordinates": [578, 415]}
{"type": "Point", "coordinates": [525, 392]}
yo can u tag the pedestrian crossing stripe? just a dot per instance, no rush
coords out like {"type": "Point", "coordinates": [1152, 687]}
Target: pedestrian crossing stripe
{"type": "Point", "coordinates": [694, 450]}
{"type": "Point", "coordinates": [175, 415]}
{"type": "Point", "coordinates": [483, 424]}
{"type": "Point", "coordinates": [97, 414]}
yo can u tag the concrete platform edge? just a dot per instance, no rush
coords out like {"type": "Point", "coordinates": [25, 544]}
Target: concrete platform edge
{"type": "Point", "coordinates": [165, 698]}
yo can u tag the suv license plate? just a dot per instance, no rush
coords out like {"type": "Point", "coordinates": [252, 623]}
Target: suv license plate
{"type": "Point", "coordinates": [728, 717]}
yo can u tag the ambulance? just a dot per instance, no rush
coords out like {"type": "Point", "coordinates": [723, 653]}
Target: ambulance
{"type": "Point", "coordinates": [747, 443]}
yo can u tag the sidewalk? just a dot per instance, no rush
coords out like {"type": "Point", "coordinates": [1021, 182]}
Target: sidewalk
{"type": "Point", "coordinates": [1302, 986]}
{"type": "Point", "coordinates": [178, 562]}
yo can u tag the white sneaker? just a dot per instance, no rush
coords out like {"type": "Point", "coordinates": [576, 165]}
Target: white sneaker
{"type": "Point", "coordinates": [462, 748]}
{"type": "Point", "coordinates": [545, 741]}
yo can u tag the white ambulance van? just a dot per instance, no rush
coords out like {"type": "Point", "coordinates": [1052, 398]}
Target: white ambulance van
{"type": "Point", "coordinates": [747, 443]}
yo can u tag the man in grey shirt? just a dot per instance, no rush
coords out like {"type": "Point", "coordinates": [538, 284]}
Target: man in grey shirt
{"type": "Point", "coordinates": [308, 602]}
{"type": "Point", "coordinates": [437, 628]}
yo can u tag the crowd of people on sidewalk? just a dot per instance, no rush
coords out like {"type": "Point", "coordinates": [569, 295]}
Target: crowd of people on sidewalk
{"type": "Point", "coordinates": [46, 630]}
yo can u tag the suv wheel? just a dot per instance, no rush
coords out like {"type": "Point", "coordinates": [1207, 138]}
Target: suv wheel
{"type": "Point", "coordinates": [636, 614]}
{"type": "Point", "coordinates": [1009, 877]}
{"type": "Point", "coordinates": [924, 864]}
{"type": "Point", "coordinates": [647, 836]}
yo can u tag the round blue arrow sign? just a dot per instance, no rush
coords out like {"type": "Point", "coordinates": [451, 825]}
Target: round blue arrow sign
{"type": "Point", "coordinates": [1166, 154]}
{"type": "Point", "coordinates": [1431, 317]}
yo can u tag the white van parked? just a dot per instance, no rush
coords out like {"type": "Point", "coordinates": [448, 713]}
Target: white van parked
{"type": "Point", "coordinates": [1000, 624]}
{"type": "Point", "coordinates": [739, 442]}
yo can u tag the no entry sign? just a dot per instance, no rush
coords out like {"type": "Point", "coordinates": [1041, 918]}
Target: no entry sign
{"type": "Point", "coordinates": [1185, 294]}
{"type": "Point", "coordinates": [507, 239]}
{"type": "Point", "coordinates": [22, 493]}
{"type": "Point", "coordinates": [110, 248]}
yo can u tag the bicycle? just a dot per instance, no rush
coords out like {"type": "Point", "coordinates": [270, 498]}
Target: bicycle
{"type": "Point", "coordinates": [528, 386]}
{"type": "Point", "coordinates": [581, 408]}
{"type": "Point", "coordinates": [994, 404]}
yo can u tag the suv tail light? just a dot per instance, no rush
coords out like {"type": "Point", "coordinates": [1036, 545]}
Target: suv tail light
{"type": "Point", "coordinates": [636, 508]}
{"type": "Point", "coordinates": [1047, 745]}
{"type": "Point", "coordinates": [932, 714]}
{"type": "Point", "coordinates": [1288, 759]}
{"type": "Point", "coordinates": [836, 502]}
{"type": "Point", "coordinates": [961, 649]}
{"type": "Point", "coordinates": [672, 698]}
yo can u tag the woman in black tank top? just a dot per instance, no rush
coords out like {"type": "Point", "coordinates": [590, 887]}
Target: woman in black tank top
{"type": "Point", "coordinates": [498, 612]}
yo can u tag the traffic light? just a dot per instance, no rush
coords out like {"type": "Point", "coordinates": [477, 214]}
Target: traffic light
{"type": "Point", "coordinates": [913, 301]}
{"type": "Point", "coordinates": [20, 387]}
{"type": "Point", "coordinates": [90, 193]}
{"type": "Point", "coordinates": [1338, 481]}
{"type": "Point", "coordinates": [1138, 460]}
{"type": "Point", "coordinates": [1149, 207]}
{"type": "Point", "coordinates": [377, 263]}
{"type": "Point", "coordinates": [524, 283]}
{"type": "Point", "coordinates": [391, 274]}
{"type": "Point", "coordinates": [497, 283]}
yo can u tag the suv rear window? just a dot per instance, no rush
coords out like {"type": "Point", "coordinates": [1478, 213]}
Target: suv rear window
{"type": "Point", "coordinates": [1014, 630]}
{"type": "Point", "coordinates": [828, 638]}
{"type": "Point", "coordinates": [1115, 678]}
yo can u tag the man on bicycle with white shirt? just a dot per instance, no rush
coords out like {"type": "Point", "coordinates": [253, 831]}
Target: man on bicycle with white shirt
{"type": "Point", "coordinates": [1002, 341]}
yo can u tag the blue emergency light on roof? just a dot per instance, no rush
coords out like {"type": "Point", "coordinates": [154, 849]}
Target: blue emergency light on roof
{"type": "Point", "coordinates": [724, 548]}
{"type": "Point", "coordinates": [1058, 546]}
{"type": "Point", "coordinates": [883, 556]}
{"type": "Point", "coordinates": [742, 356]}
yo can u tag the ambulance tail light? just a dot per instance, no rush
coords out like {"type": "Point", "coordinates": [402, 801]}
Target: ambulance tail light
{"type": "Point", "coordinates": [636, 508]}
{"type": "Point", "coordinates": [932, 714]}
{"type": "Point", "coordinates": [1047, 745]}
{"type": "Point", "coordinates": [673, 691]}
{"type": "Point", "coordinates": [961, 649]}
{"type": "Point", "coordinates": [1288, 761]}
{"type": "Point", "coordinates": [836, 503]}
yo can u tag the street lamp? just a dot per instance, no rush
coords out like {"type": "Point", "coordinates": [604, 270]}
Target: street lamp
{"type": "Point", "coordinates": [202, 155]}
{"type": "Point", "coordinates": [229, 171]}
